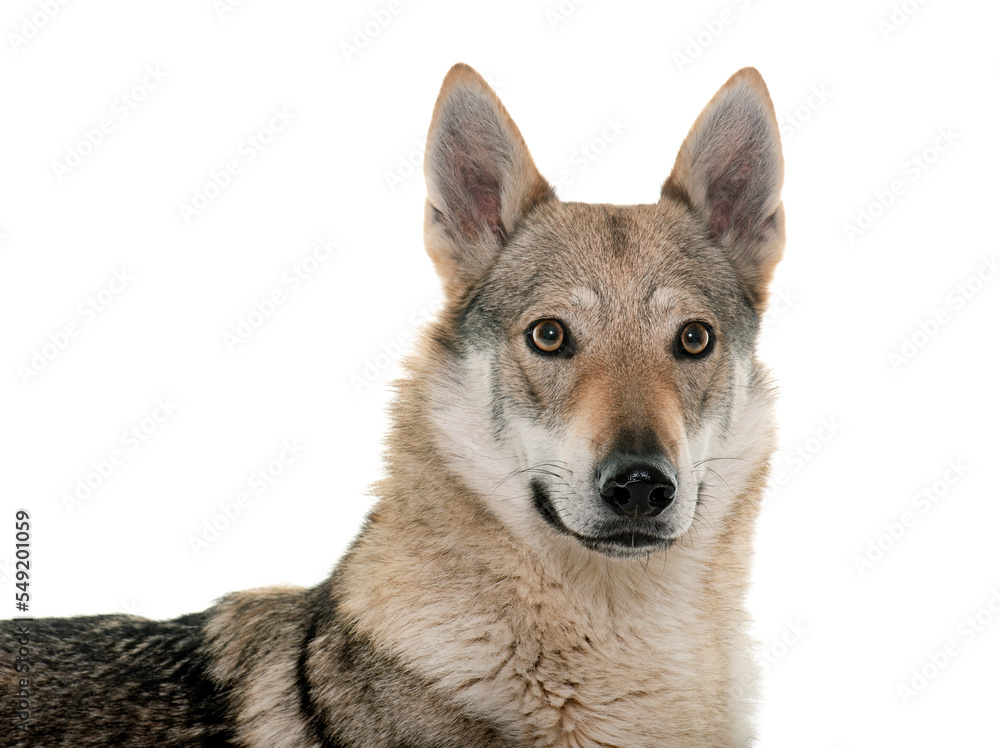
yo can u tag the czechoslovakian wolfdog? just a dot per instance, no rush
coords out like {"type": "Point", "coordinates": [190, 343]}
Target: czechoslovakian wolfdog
{"type": "Point", "coordinates": [561, 546]}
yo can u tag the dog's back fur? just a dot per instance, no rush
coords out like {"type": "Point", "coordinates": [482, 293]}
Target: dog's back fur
{"type": "Point", "coordinates": [504, 591]}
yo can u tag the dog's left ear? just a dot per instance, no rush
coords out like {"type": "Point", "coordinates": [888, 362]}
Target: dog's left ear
{"type": "Point", "coordinates": [481, 179]}
{"type": "Point", "coordinates": [729, 172]}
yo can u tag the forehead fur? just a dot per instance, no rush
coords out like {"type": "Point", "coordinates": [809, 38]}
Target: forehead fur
{"type": "Point", "coordinates": [616, 258]}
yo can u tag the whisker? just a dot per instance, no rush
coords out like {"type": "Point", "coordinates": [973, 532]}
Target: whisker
{"type": "Point", "coordinates": [538, 469]}
{"type": "Point", "coordinates": [645, 567]}
{"type": "Point", "coordinates": [713, 459]}
{"type": "Point", "coordinates": [723, 481]}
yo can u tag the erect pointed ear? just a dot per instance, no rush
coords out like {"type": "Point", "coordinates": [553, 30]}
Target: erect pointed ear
{"type": "Point", "coordinates": [729, 171]}
{"type": "Point", "coordinates": [480, 179]}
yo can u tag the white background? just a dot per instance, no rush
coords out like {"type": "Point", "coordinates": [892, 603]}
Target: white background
{"type": "Point", "coordinates": [864, 92]}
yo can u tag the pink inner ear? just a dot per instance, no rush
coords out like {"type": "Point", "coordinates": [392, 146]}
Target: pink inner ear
{"type": "Point", "coordinates": [483, 191]}
{"type": "Point", "coordinates": [721, 218]}
{"type": "Point", "coordinates": [731, 200]}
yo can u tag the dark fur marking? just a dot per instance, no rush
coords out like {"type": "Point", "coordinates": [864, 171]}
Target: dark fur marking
{"type": "Point", "coordinates": [543, 505]}
{"type": "Point", "coordinates": [534, 398]}
{"type": "Point", "coordinates": [617, 232]}
{"type": "Point", "coordinates": [135, 682]}
{"type": "Point", "coordinates": [310, 714]}
{"type": "Point", "coordinates": [370, 686]}
{"type": "Point", "coordinates": [640, 443]}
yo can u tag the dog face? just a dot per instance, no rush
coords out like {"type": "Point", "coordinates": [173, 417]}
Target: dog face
{"type": "Point", "coordinates": [597, 375]}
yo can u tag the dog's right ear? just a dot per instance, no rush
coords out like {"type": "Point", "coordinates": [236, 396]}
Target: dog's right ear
{"type": "Point", "coordinates": [481, 179]}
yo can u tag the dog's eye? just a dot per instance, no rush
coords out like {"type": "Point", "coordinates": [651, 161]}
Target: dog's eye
{"type": "Point", "coordinates": [547, 336]}
{"type": "Point", "coordinates": [695, 339]}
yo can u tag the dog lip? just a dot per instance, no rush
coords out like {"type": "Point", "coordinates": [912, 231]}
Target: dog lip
{"type": "Point", "coordinates": [543, 505]}
{"type": "Point", "coordinates": [627, 539]}
{"type": "Point", "coordinates": [643, 535]}
{"type": "Point", "coordinates": [622, 546]}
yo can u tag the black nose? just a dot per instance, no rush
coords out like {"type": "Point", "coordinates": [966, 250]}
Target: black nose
{"type": "Point", "coordinates": [639, 491]}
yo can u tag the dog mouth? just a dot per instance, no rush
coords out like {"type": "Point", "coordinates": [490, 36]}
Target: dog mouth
{"type": "Point", "coordinates": [626, 545]}
{"type": "Point", "coordinates": [623, 539]}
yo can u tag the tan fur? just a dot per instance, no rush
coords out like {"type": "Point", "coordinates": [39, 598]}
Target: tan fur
{"type": "Point", "coordinates": [563, 646]}
{"type": "Point", "coordinates": [567, 650]}
{"type": "Point", "coordinates": [605, 403]}
{"type": "Point", "coordinates": [498, 596]}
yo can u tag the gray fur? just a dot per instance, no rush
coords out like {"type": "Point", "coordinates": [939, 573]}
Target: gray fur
{"type": "Point", "coordinates": [488, 601]}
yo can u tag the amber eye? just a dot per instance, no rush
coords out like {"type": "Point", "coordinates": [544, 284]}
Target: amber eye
{"type": "Point", "coordinates": [695, 339]}
{"type": "Point", "coordinates": [547, 336]}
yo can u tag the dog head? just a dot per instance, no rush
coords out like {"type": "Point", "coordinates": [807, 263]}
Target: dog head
{"type": "Point", "coordinates": [595, 373]}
